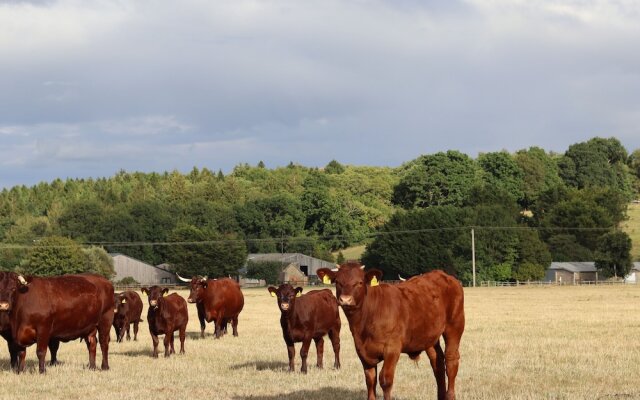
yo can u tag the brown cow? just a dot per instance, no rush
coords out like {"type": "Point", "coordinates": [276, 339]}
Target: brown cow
{"type": "Point", "coordinates": [166, 315]}
{"type": "Point", "coordinates": [46, 311]}
{"type": "Point", "coordinates": [218, 300]}
{"type": "Point", "coordinates": [309, 316]}
{"type": "Point", "coordinates": [128, 308]}
{"type": "Point", "coordinates": [409, 317]}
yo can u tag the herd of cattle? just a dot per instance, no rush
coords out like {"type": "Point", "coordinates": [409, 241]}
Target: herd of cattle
{"type": "Point", "coordinates": [385, 320]}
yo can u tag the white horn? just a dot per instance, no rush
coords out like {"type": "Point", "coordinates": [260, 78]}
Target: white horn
{"type": "Point", "coordinates": [362, 267]}
{"type": "Point", "coordinates": [22, 280]}
{"type": "Point", "coordinates": [182, 279]}
{"type": "Point", "coordinates": [401, 278]}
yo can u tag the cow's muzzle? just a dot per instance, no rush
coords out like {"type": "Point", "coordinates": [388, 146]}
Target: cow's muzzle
{"type": "Point", "coordinates": [153, 303]}
{"type": "Point", "coordinates": [346, 301]}
{"type": "Point", "coordinates": [284, 306]}
{"type": "Point", "coordinates": [190, 300]}
{"type": "Point", "coordinates": [4, 306]}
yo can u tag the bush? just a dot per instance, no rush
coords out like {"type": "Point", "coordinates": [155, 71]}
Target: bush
{"type": "Point", "coordinates": [127, 280]}
{"type": "Point", "coordinates": [267, 270]}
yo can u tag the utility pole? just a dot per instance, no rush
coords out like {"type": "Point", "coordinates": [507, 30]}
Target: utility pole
{"type": "Point", "coordinates": [473, 256]}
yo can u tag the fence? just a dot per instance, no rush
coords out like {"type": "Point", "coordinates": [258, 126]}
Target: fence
{"type": "Point", "coordinates": [545, 283]}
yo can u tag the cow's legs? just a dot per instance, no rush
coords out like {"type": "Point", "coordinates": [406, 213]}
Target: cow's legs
{"type": "Point", "coordinates": [135, 330]}
{"type": "Point", "coordinates": [388, 372]}
{"type": "Point", "coordinates": [54, 345]}
{"type": "Point", "coordinates": [92, 344]}
{"type": "Point", "coordinates": [128, 330]}
{"type": "Point", "coordinates": [183, 334]}
{"type": "Point", "coordinates": [13, 353]}
{"type": "Point", "coordinates": [41, 350]}
{"type": "Point", "coordinates": [156, 341]}
{"type": "Point", "coordinates": [436, 358]}
{"type": "Point", "coordinates": [291, 352]}
{"type": "Point", "coordinates": [319, 350]}
{"type": "Point", "coordinates": [104, 327]}
{"type": "Point", "coordinates": [334, 336]}
{"type": "Point", "coordinates": [201, 319]}
{"type": "Point", "coordinates": [452, 360]}
{"type": "Point", "coordinates": [304, 352]}
{"type": "Point", "coordinates": [370, 378]}
{"type": "Point", "coordinates": [168, 343]}
{"type": "Point", "coordinates": [234, 325]}
{"type": "Point", "coordinates": [22, 356]}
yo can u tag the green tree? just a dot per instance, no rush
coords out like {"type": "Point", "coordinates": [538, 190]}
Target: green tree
{"type": "Point", "coordinates": [613, 255]}
{"type": "Point", "coordinates": [334, 167]}
{"type": "Point", "coordinates": [82, 220]}
{"type": "Point", "coordinates": [202, 252]}
{"type": "Point", "coordinates": [98, 261]}
{"type": "Point", "coordinates": [267, 270]}
{"type": "Point", "coordinates": [565, 248]}
{"type": "Point", "coordinates": [437, 179]}
{"type": "Point", "coordinates": [540, 173]}
{"type": "Point", "coordinates": [501, 170]}
{"type": "Point", "coordinates": [55, 255]}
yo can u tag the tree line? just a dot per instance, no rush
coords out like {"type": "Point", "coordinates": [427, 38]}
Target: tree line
{"type": "Point", "coordinates": [527, 207]}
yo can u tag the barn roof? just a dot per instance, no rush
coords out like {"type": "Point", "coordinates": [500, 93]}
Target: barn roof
{"type": "Point", "coordinates": [574, 266]}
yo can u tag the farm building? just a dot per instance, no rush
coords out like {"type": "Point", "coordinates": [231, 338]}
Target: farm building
{"type": "Point", "coordinates": [634, 275]}
{"type": "Point", "coordinates": [571, 273]}
{"type": "Point", "coordinates": [142, 272]}
{"type": "Point", "coordinates": [298, 267]}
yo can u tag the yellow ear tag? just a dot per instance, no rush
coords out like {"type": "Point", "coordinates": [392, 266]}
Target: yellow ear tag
{"type": "Point", "coordinates": [272, 294]}
{"type": "Point", "coordinates": [298, 294]}
{"type": "Point", "coordinates": [374, 281]}
{"type": "Point", "coordinates": [326, 280]}
{"type": "Point", "coordinates": [123, 301]}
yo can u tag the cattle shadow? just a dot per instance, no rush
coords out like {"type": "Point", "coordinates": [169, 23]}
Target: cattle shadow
{"type": "Point", "coordinates": [31, 365]}
{"type": "Point", "coordinates": [135, 353]}
{"type": "Point", "coordinates": [328, 393]}
{"type": "Point", "coordinates": [263, 366]}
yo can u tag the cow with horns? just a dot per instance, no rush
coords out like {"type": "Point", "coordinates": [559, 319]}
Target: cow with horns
{"type": "Point", "coordinates": [46, 311]}
{"type": "Point", "coordinates": [217, 300]}
{"type": "Point", "coordinates": [410, 317]}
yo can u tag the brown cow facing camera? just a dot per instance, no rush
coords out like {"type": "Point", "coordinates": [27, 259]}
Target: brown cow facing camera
{"type": "Point", "coordinates": [410, 317]}
{"type": "Point", "coordinates": [306, 317]}
{"type": "Point", "coordinates": [127, 311]}
{"type": "Point", "coordinates": [166, 315]}
{"type": "Point", "coordinates": [47, 311]}
{"type": "Point", "coordinates": [217, 300]}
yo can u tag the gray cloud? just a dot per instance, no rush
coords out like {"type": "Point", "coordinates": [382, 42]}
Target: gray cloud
{"type": "Point", "coordinates": [93, 87]}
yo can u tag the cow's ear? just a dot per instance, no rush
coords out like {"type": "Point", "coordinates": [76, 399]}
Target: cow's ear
{"type": "Point", "coordinates": [165, 291]}
{"type": "Point", "coordinates": [298, 291]}
{"type": "Point", "coordinates": [272, 290]}
{"type": "Point", "coordinates": [326, 275]}
{"type": "Point", "coordinates": [373, 277]}
{"type": "Point", "coordinates": [144, 290]}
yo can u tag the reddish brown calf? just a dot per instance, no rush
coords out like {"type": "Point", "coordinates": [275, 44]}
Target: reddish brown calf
{"type": "Point", "coordinates": [387, 320]}
{"type": "Point", "coordinates": [128, 309]}
{"type": "Point", "coordinates": [166, 315]}
{"type": "Point", "coordinates": [306, 317]}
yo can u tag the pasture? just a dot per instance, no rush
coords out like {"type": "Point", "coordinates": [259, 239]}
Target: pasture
{"type": "Point", "coordinates": [519, 343]}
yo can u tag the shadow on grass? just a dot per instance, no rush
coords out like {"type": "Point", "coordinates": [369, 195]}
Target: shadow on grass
{"type": "Point", "coordinates": [31, 365]}
{"type": "Point", "coordinates": [136, 353]}
{"type": "Point", "coordinates": [263, 365]}
{"type": "Point", "coordinates": [326, 393]}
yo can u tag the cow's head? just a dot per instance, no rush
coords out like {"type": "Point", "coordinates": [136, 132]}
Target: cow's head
{"type": "Point", "coordinates": [352, 282]}
{"type": "Point", "coordinates": [197, 286]}
{"type": "Point", "coordinates": [10, 285]}
{"type": "Point", "coordinates": [286, 296]}
{"type": "Point", "coordinates": [155, 294]}
{"type": "Point", "coordinates": [121, 304]}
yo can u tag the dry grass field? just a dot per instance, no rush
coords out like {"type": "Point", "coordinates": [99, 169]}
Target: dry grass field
{"type": "Point", "coordinates": [520, 343]}
{"type": "Point", "coordinates": [632, 227]}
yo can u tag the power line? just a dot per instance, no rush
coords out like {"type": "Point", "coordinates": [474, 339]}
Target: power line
{"type": "Point", "coordinates": [16, 246]}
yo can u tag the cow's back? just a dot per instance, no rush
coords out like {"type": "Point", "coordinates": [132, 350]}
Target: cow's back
{"type": "Point", "coordinates": [69, 306]}
{"type": "Point", "coordinates": [417, 311]}
{"type": "Point", "coordinates": [135, 305]}
{"type": "Point", "coordinates": [318, 310]}
{"type": "Point", "coordinates": [224, 295]}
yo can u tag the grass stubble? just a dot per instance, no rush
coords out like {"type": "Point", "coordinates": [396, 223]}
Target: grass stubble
{"type": "Point", "coordinates": [519, 343]}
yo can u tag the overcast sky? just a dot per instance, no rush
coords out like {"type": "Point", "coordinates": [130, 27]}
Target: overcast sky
{"type": "Point", "coordinates": [91, 87]}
